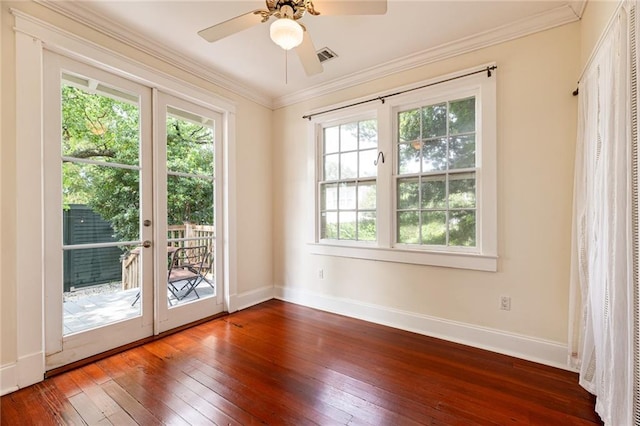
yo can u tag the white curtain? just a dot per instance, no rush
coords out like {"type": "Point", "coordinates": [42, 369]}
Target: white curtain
{"type": "Point", "coordinates": [602, 304]}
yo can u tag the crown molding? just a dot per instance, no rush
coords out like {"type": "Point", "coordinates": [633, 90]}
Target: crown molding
{"type": "Point", "coordinates": [543, 21]}
{"type": "Point", "coordinates": [578, 7]}
{"type": "Point", "coordinates": [561, 15]}
{"type": "Point", "coordinates": [79, 13]}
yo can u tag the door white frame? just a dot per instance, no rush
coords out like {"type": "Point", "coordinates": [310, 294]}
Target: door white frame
{"type": "Point", "coordinates": [167, 317]}
{"type": "Point", "coordinates": [32, 35]}
{"type": "Point", "coordinates": [61, 350]}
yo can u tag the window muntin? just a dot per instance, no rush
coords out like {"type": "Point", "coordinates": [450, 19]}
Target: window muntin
{"type": "Point", "coordinates": [436, 174]}
{"type": "Point", "coordinates": [462, 182]}
{"type": "Point", "coordinates": [348, 183]}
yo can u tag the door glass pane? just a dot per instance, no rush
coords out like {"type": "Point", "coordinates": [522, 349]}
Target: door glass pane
{"type": "Point", "coordinates": [101, 204]}
{"type": "Point", "coordinates": [190, 207]}
{"type": "Point", "coordinates": [100, 122]}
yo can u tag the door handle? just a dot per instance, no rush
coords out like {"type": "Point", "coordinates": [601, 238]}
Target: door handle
{"type": "Point", "coordinates": [146, 244]}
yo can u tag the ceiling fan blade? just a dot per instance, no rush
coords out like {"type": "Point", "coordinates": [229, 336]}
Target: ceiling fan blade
{"type": "Point", "coordinates": [350, 7]}
{"type": "Point", "coordinates": [308, 56]}
{"type": "Point", "coordinates": [231, 26]}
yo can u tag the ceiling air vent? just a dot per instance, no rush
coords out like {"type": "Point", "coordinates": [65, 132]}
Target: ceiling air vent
{"type": "Point", "coordinates": [325, 54]}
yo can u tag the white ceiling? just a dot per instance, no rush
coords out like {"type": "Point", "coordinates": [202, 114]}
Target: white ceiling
{"type": "Point", "coordinates": [410, 34]}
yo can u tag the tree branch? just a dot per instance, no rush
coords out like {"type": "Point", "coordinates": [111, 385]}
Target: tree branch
{"type": "Point", "coordinates": [90, 153]}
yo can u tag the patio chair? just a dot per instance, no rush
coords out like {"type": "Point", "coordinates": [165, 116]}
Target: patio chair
{"type": "Point", "coordinates": [187, 269]}
{"type": "Point", "coordinates": [207, 267]}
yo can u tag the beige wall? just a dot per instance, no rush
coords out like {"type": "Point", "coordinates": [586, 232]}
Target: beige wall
{"type": "Point", "coordinates": [536, 139]}
{"type": "Point", "coordinates": [253, 170]}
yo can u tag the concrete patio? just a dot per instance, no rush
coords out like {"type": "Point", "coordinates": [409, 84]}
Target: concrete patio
{"type": "Point", "coordinates": [105, 304]}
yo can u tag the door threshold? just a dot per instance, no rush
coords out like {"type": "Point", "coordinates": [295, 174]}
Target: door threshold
{"type": "Point", "coordinates": [81, 363]}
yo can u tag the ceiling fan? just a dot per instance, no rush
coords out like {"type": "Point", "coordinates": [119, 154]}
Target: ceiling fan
{"type": "Point", "coordinates": [286, 31]}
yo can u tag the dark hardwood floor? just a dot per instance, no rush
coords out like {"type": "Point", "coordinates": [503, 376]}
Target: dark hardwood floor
{"type": "Point", "coordinates": [279, 363]}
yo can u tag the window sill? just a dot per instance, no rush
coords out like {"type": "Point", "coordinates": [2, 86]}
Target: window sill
{"type": "Point", "coordinates": [471, 261]}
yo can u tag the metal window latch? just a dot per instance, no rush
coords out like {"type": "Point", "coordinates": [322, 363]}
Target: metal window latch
{"type": "Point", "coordinates": [146, 244]}
{"type": "Point", "coordinates": [147, 222]}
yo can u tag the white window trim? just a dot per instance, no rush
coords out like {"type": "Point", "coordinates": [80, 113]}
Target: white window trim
{"type": "Point", "coordinates": [484, 256]}
{"type": "Point", "coordinates": [318, 129]}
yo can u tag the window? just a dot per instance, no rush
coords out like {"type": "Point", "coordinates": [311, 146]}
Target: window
{"type": "Point", "coordinates": [348, 185]}
{"type": "Point", "coordinates": [410, 180]}
{"type": "Point", "coordinates": [436, 177]}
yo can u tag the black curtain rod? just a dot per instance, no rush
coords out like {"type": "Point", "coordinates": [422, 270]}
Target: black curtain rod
{"type": "Point", "coordinates": [382, 98]}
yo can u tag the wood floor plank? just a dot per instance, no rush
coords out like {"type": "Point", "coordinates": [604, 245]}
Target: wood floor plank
{"type": "Point", "coordinates": [234, 413]}
{"type": "Point", "coordinates": [65, 384]}
{"type": "Point", "coordinates": [130, 405]}
{"type": "Point", "coordinates": [58, 403]}
{"type": "Point", "coordinates": [284, 364]}
{"type": "Point", "coordinates": [107, 406]}
{"type": "Point", "coordinates": [145, 389]}
{"type": "Point", "coordinates": [366, 373]}
{"type": "Point", "coordinates": [28, 402]}
{"type": "Point", "coordinates": [330, 395]}
{"type": "Point", "coordinates": [168, 376]}
{"type": "Point", "coordinates": [238, 373]}
{"type": "Point", "coordinates": [96, 373]}
{"type": "Point", "coordinates": [89, 412]}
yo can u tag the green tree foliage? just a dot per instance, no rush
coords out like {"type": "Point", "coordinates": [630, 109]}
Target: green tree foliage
{"type": "Point", "coordinates": [106, 129]}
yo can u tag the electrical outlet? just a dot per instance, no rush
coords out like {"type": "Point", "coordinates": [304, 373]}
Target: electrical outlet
{"type": "Point", "coordinates": [505, 303]}
{"type": "Point", "coordinates": [321, 274]}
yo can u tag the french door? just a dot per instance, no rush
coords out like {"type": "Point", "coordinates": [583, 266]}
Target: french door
{"type": "Point", "coordinates": [129, 180]}
{"type": "Point", "coordinates": [188, 210]}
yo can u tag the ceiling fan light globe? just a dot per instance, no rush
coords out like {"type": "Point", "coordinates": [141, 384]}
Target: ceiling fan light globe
{"type": "Point", "coordinates": [286, 33]}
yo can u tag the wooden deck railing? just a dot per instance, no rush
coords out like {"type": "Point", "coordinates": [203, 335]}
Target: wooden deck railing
{"type": "Point", "coordinates": [187, 235]}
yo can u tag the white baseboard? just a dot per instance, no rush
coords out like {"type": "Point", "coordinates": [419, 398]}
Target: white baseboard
{"type": "Point", "coordinates": [529, 348]}
{"type": "Point", "coordinates": [27, 371]}
{"type": "Point", "coordinates": [30, 369]}
{"type": "Point", "coordinates": [249, 298]}
{"type": "Point", "coordinates": [8, 378]}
